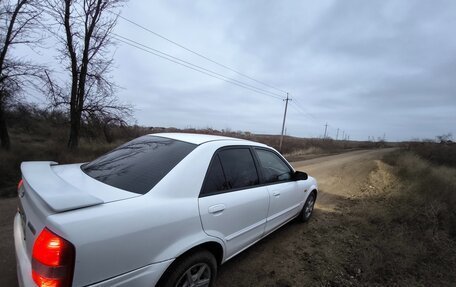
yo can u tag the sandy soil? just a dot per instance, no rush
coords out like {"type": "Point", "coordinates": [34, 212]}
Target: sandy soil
{"type": "Point", "coordinates": [295, 255]}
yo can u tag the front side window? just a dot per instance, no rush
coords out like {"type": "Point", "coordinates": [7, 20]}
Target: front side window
{"type": "Point", "coordinates": [140, 164]}
{"type": "Point", "coordinates": [239, 167]}
{"type": "Point", "coordinates": [274, 169]}
{"type": "Point", "coordinates": [231, 168]}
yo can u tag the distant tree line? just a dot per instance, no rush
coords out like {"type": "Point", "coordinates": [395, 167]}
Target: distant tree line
{"type": "Point", "coordinates": [32, 120]}
{"type": "Point", "coordinates": [83, 30]}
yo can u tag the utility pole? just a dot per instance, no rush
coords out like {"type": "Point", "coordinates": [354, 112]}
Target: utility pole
{"type": "Point", "coordinates": [343, 135]}
{"type": "Point", "coordinates": [283, 123]}
{"type": "Point", "coordinates": [337, 135]}
{"type": "Point", "coordinates": [326, 128]}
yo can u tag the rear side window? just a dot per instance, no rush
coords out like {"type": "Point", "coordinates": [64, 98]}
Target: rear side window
{"type": "Point", "coordinates": [215, 178]}
{"type": "Point", "coordinates": [274, 169]}
{"type": "Point", "coordinates": [140, 164]}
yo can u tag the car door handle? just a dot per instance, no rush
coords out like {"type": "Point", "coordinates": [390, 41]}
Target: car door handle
{"type": "Point", "coordinates": [216, 209]}
{"type": "Point", "coordinates": [276, 194]}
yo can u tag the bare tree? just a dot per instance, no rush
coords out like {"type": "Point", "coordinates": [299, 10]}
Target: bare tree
{"type": "Point", "coordinates": [19, 20]}
{"type": "Point", "coordinates": [445, 138]}
{"type": "Point", "coordinates": [84, 30]}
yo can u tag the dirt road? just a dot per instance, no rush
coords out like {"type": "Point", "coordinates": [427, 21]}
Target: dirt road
{"type": "Point", "coordinates": [304, 254]}
{"type": "Point", "coordinates": [295, 255]}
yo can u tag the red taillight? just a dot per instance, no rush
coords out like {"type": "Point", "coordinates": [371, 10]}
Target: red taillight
{"type": "Point", "coordinates": [52, 260]}
{"type": "Point", "coordinates": [20, 184]}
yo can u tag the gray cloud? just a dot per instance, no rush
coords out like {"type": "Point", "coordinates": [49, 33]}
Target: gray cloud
{"type": "Point", "coordinates": [365, 67]}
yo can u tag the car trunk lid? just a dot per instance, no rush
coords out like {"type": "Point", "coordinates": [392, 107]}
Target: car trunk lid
{"type": "Point", "coordinates": [55, 192]}
{"type": "Point", "coordinates": [67, 187]}
{"type": "Point", "coordinates": [48, 188]}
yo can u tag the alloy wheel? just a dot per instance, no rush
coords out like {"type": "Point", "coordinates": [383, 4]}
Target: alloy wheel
{"type": "Point", "coordinates": [198, 275]}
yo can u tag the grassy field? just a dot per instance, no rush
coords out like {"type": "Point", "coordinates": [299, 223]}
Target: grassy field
{"type": "Point", "coordinates": [402, 227]}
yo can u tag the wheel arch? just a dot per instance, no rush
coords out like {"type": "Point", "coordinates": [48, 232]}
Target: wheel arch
{"type": "Point", "coordinates": [213, 247]}
{"type": "Point", "coordinates": [314, 191]}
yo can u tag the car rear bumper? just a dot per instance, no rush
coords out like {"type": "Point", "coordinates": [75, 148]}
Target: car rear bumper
{"type": "Point", "coordinates": [144, 276]}
{"type": "Point", "coordinates": [24, 267]}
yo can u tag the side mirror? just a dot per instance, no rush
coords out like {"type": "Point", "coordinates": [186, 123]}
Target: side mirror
{"type": "Point", "coordinates": [299, 175]}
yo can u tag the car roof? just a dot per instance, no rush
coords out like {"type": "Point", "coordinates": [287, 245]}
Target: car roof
{"type": "Point", "coordinates": [201, 138]}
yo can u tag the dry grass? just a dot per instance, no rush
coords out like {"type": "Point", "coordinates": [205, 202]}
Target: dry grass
{"type": "Point", "coordinates": [391, 227]}
{"type": "Point", "coordinates": [30, 148]}
{"type": "Point", "coordinates": [438, 153]}
{"type": "Point", "coordinates": [397, 229]}
{"type": "Point", "coordinates": [405, 223]}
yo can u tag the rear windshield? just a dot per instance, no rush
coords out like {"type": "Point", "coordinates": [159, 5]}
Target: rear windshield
{"type": "Point", "coordinates": [140, 164]}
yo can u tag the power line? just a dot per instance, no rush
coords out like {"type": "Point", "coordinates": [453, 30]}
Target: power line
{"type": "Point", "coordinates": [193, 66]}
{"type": "Point", "coordinates": [299, 109]}
{"type": "Point", "coordinates": [187, 64]}
{"type": "Point", "coordinates": [296, 108]}
{"type": "Point", "coordinates": [198, 54]}
{"type": "Point", "coordinates": [296, 102]}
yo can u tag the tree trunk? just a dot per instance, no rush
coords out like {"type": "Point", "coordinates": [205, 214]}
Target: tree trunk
{"type": "Point", "coordinates": [75, 116]}
{"type": "Point", "coordinates": [75, 126]}
{"type": "Point", "coordinates": [4, 136]}
{"type": "Point", "coordinates": [107, 133]}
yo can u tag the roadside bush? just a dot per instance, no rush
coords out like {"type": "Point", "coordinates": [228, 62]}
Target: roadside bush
{"type": "Point", "coordinates": [33, 147]}
{"type": "Point", "coordinates": [438, 153]}
{"type": "Point", "coordinates": [432, 191]}
{"type": "Point", "coordinates": [411, 226]}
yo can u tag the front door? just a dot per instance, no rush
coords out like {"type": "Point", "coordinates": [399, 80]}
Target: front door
{"type": "Point", "coordinates": [232, 206]}
{"type": "Point", "coordinates": [285, 196]}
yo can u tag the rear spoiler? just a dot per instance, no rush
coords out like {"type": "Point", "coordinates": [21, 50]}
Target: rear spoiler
{"type": "Point", "coordinates": [56, 193]}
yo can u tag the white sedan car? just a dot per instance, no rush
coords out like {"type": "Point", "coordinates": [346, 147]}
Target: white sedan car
{"type": "Point", "coordinates": [163, 209]}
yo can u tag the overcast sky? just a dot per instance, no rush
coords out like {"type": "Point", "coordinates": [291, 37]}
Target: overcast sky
{"type": "Point", "coordinates": [368, 68]}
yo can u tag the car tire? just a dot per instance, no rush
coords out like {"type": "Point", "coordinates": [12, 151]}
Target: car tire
{"type": "Point", "coordinates": [196, 269]}
{"type": "Point", "coordinates": [307, 209]}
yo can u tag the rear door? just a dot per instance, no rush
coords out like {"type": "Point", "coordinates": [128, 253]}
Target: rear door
{"type": "Point", "coordinates": [284, 193]}
{"type": "Point", "coordinates": [232, 205]}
